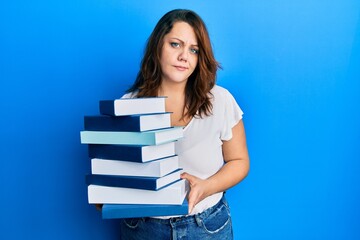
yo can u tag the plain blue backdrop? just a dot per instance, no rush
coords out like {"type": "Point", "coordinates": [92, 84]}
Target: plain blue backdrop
{"type": "Point", "coordinates": [293, 67]}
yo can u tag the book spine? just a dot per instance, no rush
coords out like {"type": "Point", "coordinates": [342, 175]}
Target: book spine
{"type": "Point", "coordinates": [110, 123]}
{"type": "Point", "coordinates": [110, 137]}
{"type": "Point", "coordinates": [155, 137]}
{"type": "Point", "coordinates": [157, 168]}
{"type": "Point", "coordinates": [112, 211]}
{"type": "Point", "coordinates": [116, 152]}
{"type": "Point", "coordinates": [174, 194]}
{"type": "Point", "coordinates": [122, 181]}
{"type": "Point", "coordinates": [107, 107]}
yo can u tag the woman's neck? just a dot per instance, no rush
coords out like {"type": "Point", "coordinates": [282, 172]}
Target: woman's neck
{"type": "Point", "coordinates": [172, 90]}
{"type": "Point", "coordinates": [175, 102]}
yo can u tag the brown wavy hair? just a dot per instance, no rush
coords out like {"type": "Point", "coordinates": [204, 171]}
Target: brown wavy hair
{"type": "Point", "coordinates": [200, 82]}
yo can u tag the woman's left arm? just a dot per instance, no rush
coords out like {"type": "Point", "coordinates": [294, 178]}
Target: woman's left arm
{"type": "Point", "coordinates": [235, 169]}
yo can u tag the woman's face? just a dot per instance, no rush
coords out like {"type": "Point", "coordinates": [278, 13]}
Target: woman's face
{"type": "Point", "coordinates": [179, 54]}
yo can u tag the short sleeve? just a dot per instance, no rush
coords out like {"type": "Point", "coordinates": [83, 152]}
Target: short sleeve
{"type": "Point", "coordinates": [232, 115]}
{"type": "Point", "coordinates": [129, 95]}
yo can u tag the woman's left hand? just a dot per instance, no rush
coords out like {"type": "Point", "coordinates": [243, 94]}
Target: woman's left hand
{"type": "Point", "coordinates": [199, 189]}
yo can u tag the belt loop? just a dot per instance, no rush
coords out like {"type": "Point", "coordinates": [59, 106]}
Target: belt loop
{"type": "Point", "coordinates": [198, 220]}
{"type": "Point", "coordinates": [225, 202]}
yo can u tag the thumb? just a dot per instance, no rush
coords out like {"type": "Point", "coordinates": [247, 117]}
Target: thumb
{"type": "Point", "coordinates": [188, 177]}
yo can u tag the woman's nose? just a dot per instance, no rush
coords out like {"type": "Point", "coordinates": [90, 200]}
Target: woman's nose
{"type": "Point", "coordinates": [183, 56]}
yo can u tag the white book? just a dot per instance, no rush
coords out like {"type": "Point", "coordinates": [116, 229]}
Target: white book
{"type": "Point", "coordinates": [131, 106]}
{"type": "Point", "coordinates": [157, 168]}
{"type": "Point", "coordinates": [173, 194]}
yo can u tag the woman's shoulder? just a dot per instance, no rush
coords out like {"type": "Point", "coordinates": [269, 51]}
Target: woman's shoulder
{"type": "Point", "coordinates": [218, 91]}
{"type": "Point", "coordinates": [222, 97]}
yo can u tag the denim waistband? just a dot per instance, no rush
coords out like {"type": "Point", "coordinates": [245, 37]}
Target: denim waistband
{"type": "Point", "coordinates": [189, 218]}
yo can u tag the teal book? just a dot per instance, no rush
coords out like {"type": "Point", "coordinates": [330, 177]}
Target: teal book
{"type": "Point", "coordinates": [155, 137]}
{"type": "Point", "coordinates": [115, 211]}
{"type": "Point", "coordinates": [131, 106]}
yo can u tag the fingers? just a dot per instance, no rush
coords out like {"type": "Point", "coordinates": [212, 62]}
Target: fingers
{"type": "Point", "coordinates": [197, 190]}
{"type": "Point", "coordinates": [192, 200]}
{"type": "Point", "coordinates": [188, 177]}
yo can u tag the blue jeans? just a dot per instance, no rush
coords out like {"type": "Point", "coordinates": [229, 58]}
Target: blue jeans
{"type": "Point", "coordinates": [213, 223]}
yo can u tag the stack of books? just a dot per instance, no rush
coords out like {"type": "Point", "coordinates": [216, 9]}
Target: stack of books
{"type": "Point", "coordinates": [134, 169]}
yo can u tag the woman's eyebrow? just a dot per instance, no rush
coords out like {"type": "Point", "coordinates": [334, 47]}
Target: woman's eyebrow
{"type": "Point", "coordinates": [194, 45]}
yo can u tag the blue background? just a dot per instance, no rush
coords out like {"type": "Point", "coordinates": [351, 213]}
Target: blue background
{"type": "Point", "coordinates": [293, 67]}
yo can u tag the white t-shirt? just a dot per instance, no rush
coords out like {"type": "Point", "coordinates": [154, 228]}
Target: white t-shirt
{"type": "Point", "coordinates": [200, 150]}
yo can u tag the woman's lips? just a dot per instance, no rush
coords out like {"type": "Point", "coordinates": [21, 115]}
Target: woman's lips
{"type": "Point", "coordinates": [181, 68]}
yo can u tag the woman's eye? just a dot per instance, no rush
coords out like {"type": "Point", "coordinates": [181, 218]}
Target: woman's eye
{"type": "Point", "coordinates": [175, 45]}
{"type": "Point", "coordinates": [194, 51]}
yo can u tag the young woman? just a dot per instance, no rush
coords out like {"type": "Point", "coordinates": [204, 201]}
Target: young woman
{"type": "Point", "coordinates": [179, 63]}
